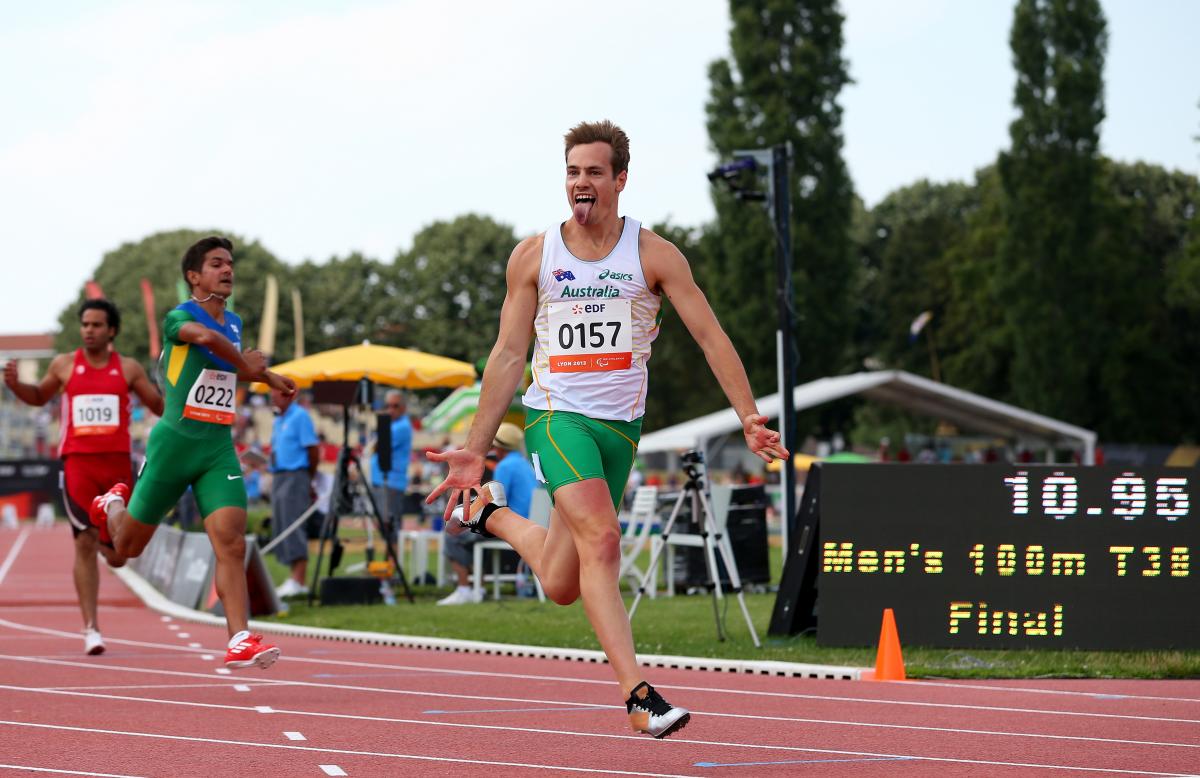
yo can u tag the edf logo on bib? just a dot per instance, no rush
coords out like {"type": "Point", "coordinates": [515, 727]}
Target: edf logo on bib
{"type": "Point", "coordinates": [589, 308]}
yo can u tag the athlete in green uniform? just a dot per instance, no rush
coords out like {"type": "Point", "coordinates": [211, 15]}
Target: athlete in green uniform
{"type": "Point", "coordinates": [191, 445]}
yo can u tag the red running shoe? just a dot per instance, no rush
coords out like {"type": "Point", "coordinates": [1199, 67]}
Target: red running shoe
{"type": "Point", "coordinates": [98, 514]}
{"type": "Point", "coordinates": [250, 651]}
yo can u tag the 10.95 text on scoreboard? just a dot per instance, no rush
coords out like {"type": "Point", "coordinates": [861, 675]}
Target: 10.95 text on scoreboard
{"type": "Point", "coordinates": [1000, 556]}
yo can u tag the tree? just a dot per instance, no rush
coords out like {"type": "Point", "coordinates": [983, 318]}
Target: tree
{"type": "Point", "coordinates": [1053, 265]}
{"type": "Point", "coordinates": [781, 85]}
{"type": "Point", "coordinates": [448, 288]}
{"type": "Point", "coordinates": [157, 258]}
{"type": "Point", "coordinates": [346, 300]}
{"type": "Point", "coordinates": [1147, 371]}
{"type": "Point", "coordinates": [904, 252]}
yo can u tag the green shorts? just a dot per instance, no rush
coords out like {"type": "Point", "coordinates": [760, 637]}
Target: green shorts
{"type": "Point", "coordinates": [568, 447]}
{"type": "Point", "coordinates": [173, 463]}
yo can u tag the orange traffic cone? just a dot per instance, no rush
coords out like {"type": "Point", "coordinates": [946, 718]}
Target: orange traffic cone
{"type": "Point", "coordinates": [889, 663]}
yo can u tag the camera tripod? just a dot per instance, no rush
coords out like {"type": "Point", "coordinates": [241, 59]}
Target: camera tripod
{"type": "Point", "coordinates": [347, 492]}
{"type": "Point", "coordinates": [712, 541]}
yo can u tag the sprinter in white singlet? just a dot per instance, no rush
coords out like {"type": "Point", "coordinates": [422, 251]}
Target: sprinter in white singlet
{"type": "Point", "coordinates": [589, 289]}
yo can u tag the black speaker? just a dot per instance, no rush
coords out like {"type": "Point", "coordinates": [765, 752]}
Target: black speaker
{"type": "Point", "coordinates": [334, 392]}
{"type": "Point", "coordinates": [350, 590]}
{"type": "Point", "coordinates": [383, 441]}
{"type": "Point", "coordinates": [746, 525]}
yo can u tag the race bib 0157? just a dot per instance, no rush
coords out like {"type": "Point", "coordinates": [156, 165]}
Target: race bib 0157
{"type": "Point", "coordinates": [213, 398]}
{"type": "Point", "coordinates": [95, 414]}
{"type": "Point", "coordinates": [588, 337]}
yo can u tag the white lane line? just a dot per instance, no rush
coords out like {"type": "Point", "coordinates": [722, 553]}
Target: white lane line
{"type": "Point", "coordinates": [13, 552]}
{"type": "Point", "coordinates": [241, 687]}
{"type": "Point", "coordinates": [216, 684]}
{"type": "Point", "coordinates": [63, 772]}
{"type": "Point", "coordinates": [422, 669]}
{"type": "Point", "coordinates": [773, 719]}
{"type": "Point", "coordinates": [294, 736]}
{"type": "Point", "coordinates": [108, 669]}
{"type": "Point", "coordinates": [567, 768]}
{"type": "Point", "coordinates": [1064, 692]}
{"type": "Point", "coordinates": [332, 769]}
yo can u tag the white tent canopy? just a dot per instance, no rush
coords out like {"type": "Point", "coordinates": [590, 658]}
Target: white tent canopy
{"type": "Point", "coordinates": [963, 409]}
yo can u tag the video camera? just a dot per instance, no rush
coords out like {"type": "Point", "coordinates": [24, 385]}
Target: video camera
{"type": "Point", "coordinates": [693, 463]}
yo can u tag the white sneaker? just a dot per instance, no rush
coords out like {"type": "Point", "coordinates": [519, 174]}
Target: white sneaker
{"type": "Point", "coordinates": [93, 644]}
{"type": "Point", "coordinates": [460, 597]}
{"type": "Point", "coordinates": [291, 588]}
{"type": "Point", "coordinates": [491, 493]}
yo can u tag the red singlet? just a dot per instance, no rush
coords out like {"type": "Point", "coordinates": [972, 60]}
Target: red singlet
{"type": "Point", "coordinates": [95, 408]}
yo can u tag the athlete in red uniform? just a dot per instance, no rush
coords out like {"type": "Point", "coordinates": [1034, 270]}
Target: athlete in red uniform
{"type": "Point", "coordinates": [95, 383]}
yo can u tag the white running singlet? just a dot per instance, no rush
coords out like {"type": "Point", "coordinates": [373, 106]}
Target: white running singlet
{"type": "Point", "coordinates": [595, 322]}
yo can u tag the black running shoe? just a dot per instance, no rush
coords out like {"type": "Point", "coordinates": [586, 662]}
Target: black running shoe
{"type": "Point", "coordinates": [650, 713]}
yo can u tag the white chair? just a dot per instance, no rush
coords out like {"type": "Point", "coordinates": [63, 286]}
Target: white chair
{"type": "Point", "coordinates": [637, 532]}
{"type": "Point", "coordinates": [539, 513]}
{"type": "Point", "coordinates": [412, 546]}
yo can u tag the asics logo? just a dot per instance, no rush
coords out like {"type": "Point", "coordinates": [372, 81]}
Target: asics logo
{"type": "Point", "coordinates": [232, 477]}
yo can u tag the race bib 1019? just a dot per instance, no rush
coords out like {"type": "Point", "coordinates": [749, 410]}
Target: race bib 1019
{"type": "Point", "coordinates": [95, 414]}
{"type": "Point", "coordinates": [213, 398]}
{"type": "Point", "coordinates": [588, 337]}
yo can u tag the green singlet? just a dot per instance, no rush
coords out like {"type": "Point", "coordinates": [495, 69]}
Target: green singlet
{"type": "Point", "coordinates": [566, 447]}
{"type": "Point", "coordinates": [191, 445]}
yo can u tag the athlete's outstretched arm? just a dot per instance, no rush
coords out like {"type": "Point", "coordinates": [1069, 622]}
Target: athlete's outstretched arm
{"type": "Point", "coordinates": [142, 386]}
{"type": "Point", "coordinates": [669, 271]}
{"type": "Point", "coordinates": [41, 392]}
{"type": "Point", "coordinates": [251, 365]}
{"type": "Point", "coordinates": [505, 366]}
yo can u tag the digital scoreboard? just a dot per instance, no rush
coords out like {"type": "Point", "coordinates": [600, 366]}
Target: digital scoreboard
{"type": "Point", "coordinates": [1002, 556]}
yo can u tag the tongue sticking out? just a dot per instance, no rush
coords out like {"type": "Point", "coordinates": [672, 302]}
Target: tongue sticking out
{"type": "Point", "coordinates": [582, 210]}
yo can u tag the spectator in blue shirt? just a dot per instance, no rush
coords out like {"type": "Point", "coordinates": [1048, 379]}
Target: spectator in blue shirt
{"type": "Point", "coordinates": [515, 474]}
{"type": "Point", "coordinates": [389, 487]}
{"type": "Point", "coordinates": [294, 457]}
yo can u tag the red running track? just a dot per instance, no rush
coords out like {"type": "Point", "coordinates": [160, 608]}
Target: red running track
{"type": "Point", "coordinates": [159, 703]}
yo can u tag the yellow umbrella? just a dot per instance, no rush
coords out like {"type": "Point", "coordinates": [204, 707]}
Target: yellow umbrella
{"type": "Point", "coordinates": [382, 364]}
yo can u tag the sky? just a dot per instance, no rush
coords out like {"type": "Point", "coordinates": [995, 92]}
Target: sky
{"type": "Point", "coordinates": [325, 128]}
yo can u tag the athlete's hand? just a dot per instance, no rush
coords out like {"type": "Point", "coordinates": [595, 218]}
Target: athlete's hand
{"type": "Point", "coordinates": [10, 374]}
{"type": "Point", "coordinates": [282, 383]}
{"type": "Point", "coordinates": [256, 361]}
{"type": "Point", "coordinates": [465, 477]}
{"type": "Point", "coordinates": [763, 442]}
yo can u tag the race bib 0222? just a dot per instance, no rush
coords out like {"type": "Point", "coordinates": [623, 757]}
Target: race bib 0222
{"type": "Point", "coordinates": [213, 398]}
{"type": "Point", "coordinates": [588, 337]}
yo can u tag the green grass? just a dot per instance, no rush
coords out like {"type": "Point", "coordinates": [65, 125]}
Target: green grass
{"type": "Point", "coordinates": [685, 626]}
